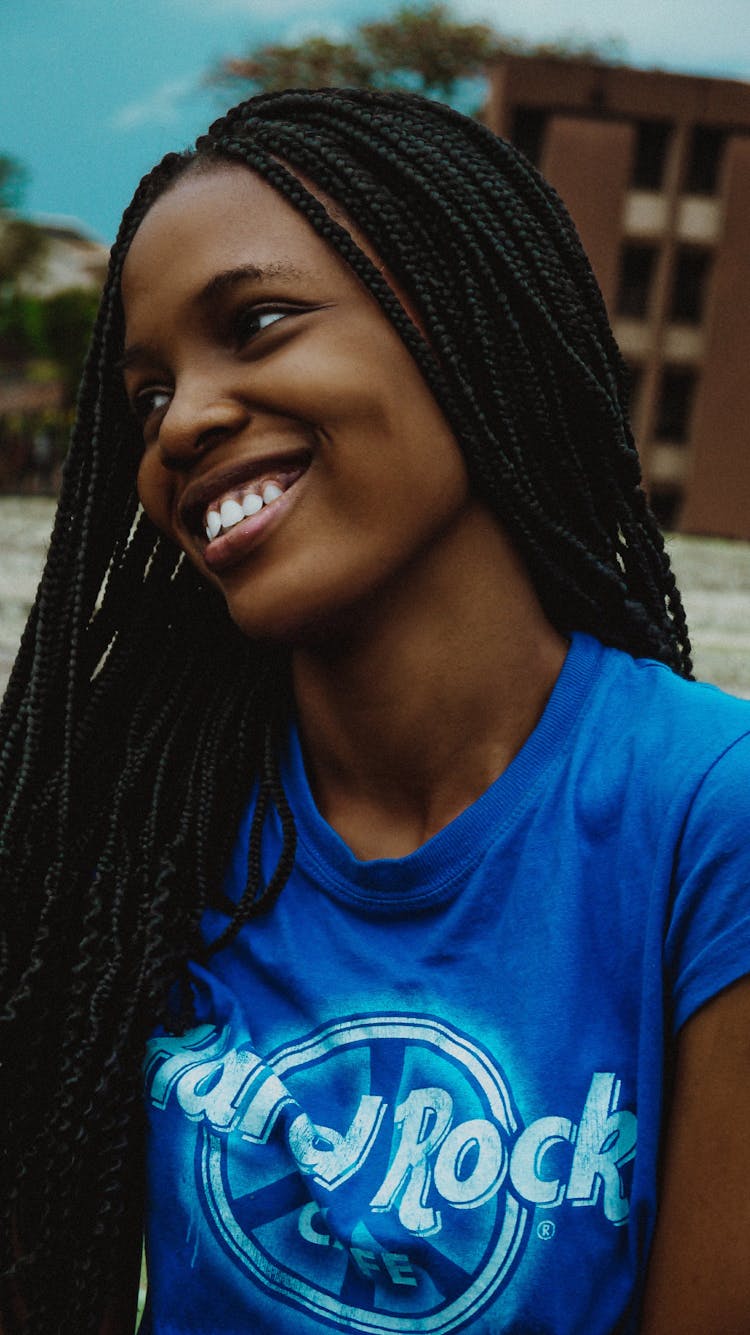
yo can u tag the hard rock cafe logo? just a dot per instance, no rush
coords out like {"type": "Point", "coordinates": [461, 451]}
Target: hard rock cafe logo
{"type": "Point", "coordinates": [412, 1211]}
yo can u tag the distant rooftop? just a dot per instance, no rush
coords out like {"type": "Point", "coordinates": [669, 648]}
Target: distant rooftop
{"type": "Point", "coordinates": [64, 227]}
{"type": "Point", "coordinates": [72, 257]}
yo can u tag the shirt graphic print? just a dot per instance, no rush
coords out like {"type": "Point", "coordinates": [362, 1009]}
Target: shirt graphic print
{"type": "Point", "coordinates": [412, 1210]}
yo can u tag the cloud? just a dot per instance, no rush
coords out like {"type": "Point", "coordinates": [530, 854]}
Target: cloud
{"type": "Point", "coordinates": [161, 107]}
{"type": "Point", "coordinates": [312, 27]}
{"type": "Point", "coordinates": [249, 8]}
{"type": "Point", "coordinates": [685, 36]}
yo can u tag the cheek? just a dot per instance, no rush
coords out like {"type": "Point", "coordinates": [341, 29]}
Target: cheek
{"type": "Point", "coordinates": [153, 487]}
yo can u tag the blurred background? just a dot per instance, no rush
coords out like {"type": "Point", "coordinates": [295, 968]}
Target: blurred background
{"type": "Point", "coordinates": [638, 114]}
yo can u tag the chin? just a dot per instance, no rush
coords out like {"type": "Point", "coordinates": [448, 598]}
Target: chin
{"type": "Point", "coordinates": [281, 622]}
{"type": "Point", "coordinates": [309, 623]}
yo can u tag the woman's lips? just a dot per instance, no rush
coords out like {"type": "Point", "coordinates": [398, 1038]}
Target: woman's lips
{"type": "Point", "coordinates": [207, 492]}
{"type": "Point", "coordinates": [228, 507]}
{"type": "Point", "coordinates": [231, 547]}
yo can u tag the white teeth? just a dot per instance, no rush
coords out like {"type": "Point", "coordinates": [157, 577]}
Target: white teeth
{"type": "Point", "coordinates": [231, 511]}
{"type": "Point", "coordinates": [231, 514]}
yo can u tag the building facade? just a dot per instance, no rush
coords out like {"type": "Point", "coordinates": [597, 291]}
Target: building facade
{"type": "Point", "coordinates": [655, 170]}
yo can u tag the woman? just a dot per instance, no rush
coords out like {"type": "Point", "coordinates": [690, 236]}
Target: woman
{"type": "Point", "coordinates": [358, 782]}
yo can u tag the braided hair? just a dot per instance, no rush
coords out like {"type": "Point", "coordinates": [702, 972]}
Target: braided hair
{"type": "Point", "coordinates": [137, 714]}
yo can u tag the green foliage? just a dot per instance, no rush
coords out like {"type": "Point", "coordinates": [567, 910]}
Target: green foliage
{"type": "Point", "coordinates": [32, 327]}
{"type": "Point", "coordinates": [429, 43]}
{"type": "Point", "coordinates": [574, 45]}
{"type": "Point", "coordinates": [57, 328]}
{"type": "Point", "coordinates": [22, 333]}
{"type": "Point", "coordinates": [68, 319]}
{"type": "Point", "coordinates": [423, 47]}
{"type": "Point", "coordinates": [316, 63]}
{"type": "Point", "coordinates": [22, 247]}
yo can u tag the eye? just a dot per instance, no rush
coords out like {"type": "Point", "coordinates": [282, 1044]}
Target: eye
{"type": "Point", "coordinates": [151, 399]}
{"type": "Point", "coordinates": [252, 320]}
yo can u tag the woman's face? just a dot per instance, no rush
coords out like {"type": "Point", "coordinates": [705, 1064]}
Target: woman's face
{"type": "Point", "coordinates": [291, 446]}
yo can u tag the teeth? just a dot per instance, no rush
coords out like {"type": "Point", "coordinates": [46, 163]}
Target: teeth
{"type": "Point", "coordinates": [231, 511]}
{"type": "Point", "coordinates": [231, 514]}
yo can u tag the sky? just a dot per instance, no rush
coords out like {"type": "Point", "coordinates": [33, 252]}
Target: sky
{"type": "Point", "coordinates": [94, 92]}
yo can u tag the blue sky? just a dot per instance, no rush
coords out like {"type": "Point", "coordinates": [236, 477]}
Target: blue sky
{"type": "Point", "coordinates": [93, 92]}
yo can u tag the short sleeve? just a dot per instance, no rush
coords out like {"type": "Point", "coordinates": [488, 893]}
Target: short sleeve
{"type": "Point", "coordinates": [708, 939]}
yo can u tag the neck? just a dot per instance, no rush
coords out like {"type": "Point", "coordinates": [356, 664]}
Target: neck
{"type": "Point", "coordinates": [408, 719]}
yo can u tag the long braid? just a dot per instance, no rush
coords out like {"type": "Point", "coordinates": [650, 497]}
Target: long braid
{"type": "Point", "coordinates": [137, 716]}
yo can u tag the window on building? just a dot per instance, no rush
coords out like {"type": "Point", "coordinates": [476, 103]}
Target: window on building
{"type": "Point", "coordinates": [706, 152]}
{"type": "Point", "coordinates": [529, 125]}
{"type": "Point", "coordinates": [690, 285]}
{"type": "Point", "coordinates": [635, 385]}
{"type": "Point", "coordinates": [651, 145]}
{"type": "Point", "coordinates": [675, 404]}
{"type": "Point", "coordinates": [665, 503]}
{"type": "Point", "coordinates": [636, 271]}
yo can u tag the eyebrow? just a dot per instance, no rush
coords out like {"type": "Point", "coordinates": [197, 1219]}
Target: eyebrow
{"type": "Point", "coordinates": [229, 278]}
{"type": "Point", "coordinates": [216, 286]}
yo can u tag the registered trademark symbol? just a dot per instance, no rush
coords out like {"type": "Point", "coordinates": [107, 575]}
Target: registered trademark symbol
{"type": "Point", "coordinates": [545, 1230]}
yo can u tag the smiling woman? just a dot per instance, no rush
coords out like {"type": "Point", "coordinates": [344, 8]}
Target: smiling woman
{"type": "Point", "coordinates": [360, 823]}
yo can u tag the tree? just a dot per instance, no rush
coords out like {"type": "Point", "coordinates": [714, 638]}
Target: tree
{"type": "Point", "coordinates": [420, 47]}
{"type": "Point", "coordinates": [22, 245]}
{"type": "Point", "coordinates": [22, 332]}
{"type": "Point", "coordinates": [430, 44]}
{"type": "Point", "coordinates": [68, 318]}
{"type": "Point", "coordinates": [316, 63]}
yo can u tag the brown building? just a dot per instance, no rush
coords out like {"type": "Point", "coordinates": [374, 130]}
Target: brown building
{"type": "Point", "coordinates": [655, 170]}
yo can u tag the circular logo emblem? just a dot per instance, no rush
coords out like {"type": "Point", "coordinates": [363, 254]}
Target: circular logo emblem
{"type": "Point", "coordinates": [366, 1180]}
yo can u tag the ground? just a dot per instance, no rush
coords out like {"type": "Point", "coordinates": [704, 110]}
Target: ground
{"type": "Point", "coordinates": [714, 577]}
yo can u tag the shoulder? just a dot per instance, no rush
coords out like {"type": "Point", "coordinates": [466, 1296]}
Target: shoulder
{"type": "Point", "coordinates": [663, 764]}
{"type": "Point", "coordinates": [655, 686]}
{"type": "Point", "coordinates": [670, 732]}
{"type": "Point", "coordinates": [666, 764]}
{"type": "Point", "coordinates": [674, 756]}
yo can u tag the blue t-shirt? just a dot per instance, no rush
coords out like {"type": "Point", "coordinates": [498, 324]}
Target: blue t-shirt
{"type": "Point", "coordinates": [426, 1093]}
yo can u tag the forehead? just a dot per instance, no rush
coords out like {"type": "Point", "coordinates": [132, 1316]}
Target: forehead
{"type": "Point", "coordinates": [215, 220]}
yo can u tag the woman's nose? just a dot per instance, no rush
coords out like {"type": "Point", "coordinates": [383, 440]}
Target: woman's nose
{"type": "Point", "coordinates": [196, 419]}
